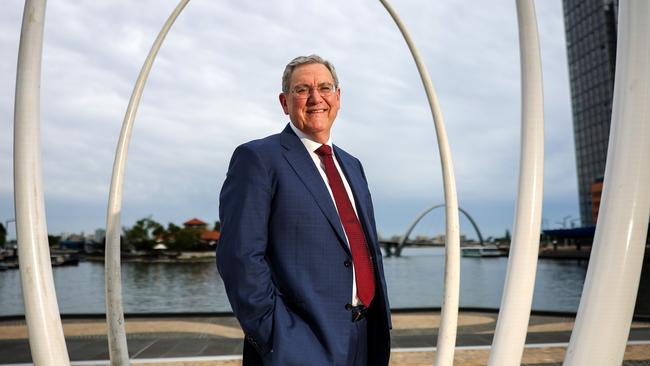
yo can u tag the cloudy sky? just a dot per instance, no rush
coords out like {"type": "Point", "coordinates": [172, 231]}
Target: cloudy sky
{"type": "Point", "coordinates": [215, 84]}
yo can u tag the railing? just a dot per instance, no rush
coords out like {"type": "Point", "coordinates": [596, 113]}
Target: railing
{"type": "Point", "coordinates": [602, 326]}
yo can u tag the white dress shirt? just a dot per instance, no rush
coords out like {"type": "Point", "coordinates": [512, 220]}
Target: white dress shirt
{"type": "Point", "coordinates": [311, 147]}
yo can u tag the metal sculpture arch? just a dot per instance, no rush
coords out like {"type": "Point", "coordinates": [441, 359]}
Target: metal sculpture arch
{"type": "Point", "coordinates": [118, 348]}
{"type": "Point", "coordinates": [402, 241]}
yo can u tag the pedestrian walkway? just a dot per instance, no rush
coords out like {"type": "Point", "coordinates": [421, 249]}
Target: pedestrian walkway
{"type": "Point", "coordinates": [215, 339]}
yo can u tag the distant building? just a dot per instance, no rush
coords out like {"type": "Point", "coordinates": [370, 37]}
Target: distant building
{"type": "Point", "coordinates": [209, 237]}
{"type": "Point", "coordinates": [73, 242]}
{"type": "Point", "coordinates": [596, 191]}
{"type": "Point", "coordinates": [440, 239]}
{"type": "Point", "coordinates": [196, 224]}
{"type": "Point", "coordinates": [100, 235]}
{"type": "Point", "coordinates": [591, 28]}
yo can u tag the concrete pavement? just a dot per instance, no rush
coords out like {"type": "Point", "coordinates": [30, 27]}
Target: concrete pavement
{"type": "Point", "coordinates": [215, 339]}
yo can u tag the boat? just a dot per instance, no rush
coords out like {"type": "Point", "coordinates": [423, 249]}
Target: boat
{"type": "Point", "coordinates": [64, 260]}
{"type": "Point", "coordinates": [481, 251]}
{"type": "Point", "coordinates": [5, 265]}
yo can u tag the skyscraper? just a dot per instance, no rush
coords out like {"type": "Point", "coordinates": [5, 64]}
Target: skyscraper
{"type": "Point", "coordinates": [590, 27]}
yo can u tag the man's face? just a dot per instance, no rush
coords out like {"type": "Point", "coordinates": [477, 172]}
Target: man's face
{"type": "Point", "coordinates": [313, 114]}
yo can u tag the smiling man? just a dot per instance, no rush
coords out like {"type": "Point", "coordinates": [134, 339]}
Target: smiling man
{"type": "Point", "coordinates": [298, 252]}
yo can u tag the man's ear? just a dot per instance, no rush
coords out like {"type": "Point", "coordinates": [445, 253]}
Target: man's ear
{"type": "Point", "coordinates": [283, 103]}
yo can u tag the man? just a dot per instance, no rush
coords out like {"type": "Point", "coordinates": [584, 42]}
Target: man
{"type": "Point", "coordinates": [298, 251]}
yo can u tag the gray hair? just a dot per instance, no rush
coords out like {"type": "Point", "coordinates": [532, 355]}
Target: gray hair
{"type": "Point", "coordinates": [305, 60]}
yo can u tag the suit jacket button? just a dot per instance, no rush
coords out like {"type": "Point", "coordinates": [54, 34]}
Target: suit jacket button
{"type": "Point", "coordinates": [348, 306]}
{"type": "Point", "coordinates": [347, 263]}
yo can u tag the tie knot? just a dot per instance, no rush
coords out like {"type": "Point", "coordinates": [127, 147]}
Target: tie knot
{"type": "Point", "coordinates": [324, 150]}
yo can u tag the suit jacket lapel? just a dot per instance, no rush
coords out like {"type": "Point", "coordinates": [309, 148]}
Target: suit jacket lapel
{"type": "Point", "coordinates": [303, 165]}
{"type": "Point", "coordinates": [359, 191]}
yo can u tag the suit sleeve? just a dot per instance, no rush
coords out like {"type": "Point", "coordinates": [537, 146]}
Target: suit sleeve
{"type": "Point", "coordinates": [244, 209]}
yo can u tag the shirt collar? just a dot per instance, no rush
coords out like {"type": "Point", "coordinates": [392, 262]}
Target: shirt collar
{"type": "Point", "coordinates": [310, 144]}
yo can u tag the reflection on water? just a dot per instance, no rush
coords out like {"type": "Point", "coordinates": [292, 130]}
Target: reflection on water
{"type": "Point", "coordinates": [558, 284]}
{"type": "Point", "coordinates": [164, 287]}
{"type": "Point", "coordinates": [414, 280]}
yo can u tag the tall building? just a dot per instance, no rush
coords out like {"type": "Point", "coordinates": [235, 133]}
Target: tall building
{"type": "Point", "coordinates": [590, 27]}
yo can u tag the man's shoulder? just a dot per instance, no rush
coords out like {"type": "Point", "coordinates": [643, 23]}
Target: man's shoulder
{"type": "Point", "coordinates": [263, 145]}
{"type": "Point", "coordinates": [270, 142]}
{"type": "Point", "coordinates": [342, 154]}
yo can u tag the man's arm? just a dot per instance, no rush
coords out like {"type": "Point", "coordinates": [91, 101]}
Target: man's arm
{"type": "Point", "coordinates": [244, 209]}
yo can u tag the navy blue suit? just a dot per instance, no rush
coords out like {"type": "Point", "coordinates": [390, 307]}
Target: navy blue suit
{"type": "Point", "coordinates": [285, 261]}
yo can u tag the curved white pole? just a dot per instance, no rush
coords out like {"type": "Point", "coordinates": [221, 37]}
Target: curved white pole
{"type": "Point", "coordinates": [607, 304]}
{"type": "Point", "coordinates": [46, 340]}
{"type": "Point", "coordinates": [449, 313]}
{"type": "Point", "coordinates": [517, 298]}
{"type": "Point", "coordinates": [118, 349]}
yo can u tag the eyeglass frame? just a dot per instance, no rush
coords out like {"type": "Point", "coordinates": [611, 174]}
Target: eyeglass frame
{"type": "Point", "coordinates": [310, 89]}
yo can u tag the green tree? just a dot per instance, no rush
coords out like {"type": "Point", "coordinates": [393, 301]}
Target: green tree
{"type": "Point", "coordinates": [142, 234]}
{"type": "Point", "coordinates": [217, 226]}
{"type": "Point", "coordinates": [186, 238]}
{"type": "Point", "coordinates": [53, 240]}
{"type": "Point", "coordinates": [170, 233]}
{"type": "Point", "coordinates": [158, 232]}
{"type": "Point", "coordinates": [178, 238]}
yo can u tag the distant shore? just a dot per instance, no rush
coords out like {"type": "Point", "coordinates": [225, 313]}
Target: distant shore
{"type": "Point", "coordinates": [161, 257]}
{"type": "Point", "coordinates": [66, 257]}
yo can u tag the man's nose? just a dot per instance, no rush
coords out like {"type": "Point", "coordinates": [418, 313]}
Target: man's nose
{"type": "Point", "coordinates": [314, 96]}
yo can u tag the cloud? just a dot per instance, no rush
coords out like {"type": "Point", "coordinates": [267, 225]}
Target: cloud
{"type": "Point", "coordinates": [215, 83]}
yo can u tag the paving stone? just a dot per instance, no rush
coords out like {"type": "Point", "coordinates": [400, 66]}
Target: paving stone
{"type": "Point", "coordinates": [177, 336]}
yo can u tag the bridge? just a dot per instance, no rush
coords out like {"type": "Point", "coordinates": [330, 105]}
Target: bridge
{"type": "Point", "coordinates": [392, 248]}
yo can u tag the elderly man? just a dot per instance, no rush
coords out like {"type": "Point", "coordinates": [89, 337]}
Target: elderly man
{"type": "Point", "coordinates": [298, 251]}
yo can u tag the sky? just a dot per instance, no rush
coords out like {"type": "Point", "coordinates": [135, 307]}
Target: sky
{"type": "Point", "coordinates": [215, 85]}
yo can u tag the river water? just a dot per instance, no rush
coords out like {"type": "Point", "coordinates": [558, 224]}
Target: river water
{"type": "Point", "coordinates": [414, 280]}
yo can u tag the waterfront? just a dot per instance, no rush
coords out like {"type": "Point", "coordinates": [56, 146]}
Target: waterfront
{"type": "Point", "coordinates": [415, 280]}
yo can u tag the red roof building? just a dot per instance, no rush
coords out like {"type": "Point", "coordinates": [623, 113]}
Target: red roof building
{"type": "Point", "coordinates": [195, 223]}
{"type": "Point", "coordinates": [210, 236]}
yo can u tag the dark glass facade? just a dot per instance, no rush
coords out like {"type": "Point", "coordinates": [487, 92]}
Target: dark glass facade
{"type": "Point", "coordinates": [590, 27]}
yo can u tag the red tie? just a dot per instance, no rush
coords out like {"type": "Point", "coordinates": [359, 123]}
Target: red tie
{"type": "Point", "coordinates": [362, 264]}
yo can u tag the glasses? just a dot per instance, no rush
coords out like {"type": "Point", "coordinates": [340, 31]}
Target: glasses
{"type": "Point", "coordinates": [304, 91]}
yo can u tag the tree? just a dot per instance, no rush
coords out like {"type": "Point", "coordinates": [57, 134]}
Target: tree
{"type": "Point", "coordinates": [186, 238]}
{"type": "Point", "coordinates": [158, 232]}
{"type": "Point", "coordinates": [53, 240]}
{"type": "Point", "coordinates": [217, 226]}
{"type": "Point", "coordinates": [142, 234]}
{"type": "Point", "coordinates": [178, 238]}
{"type": "Point", "coordinates": [170, 233]}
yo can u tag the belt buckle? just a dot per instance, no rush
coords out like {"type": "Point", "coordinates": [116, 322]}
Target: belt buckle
{"type": "Point", "coordinates": [358, 313]}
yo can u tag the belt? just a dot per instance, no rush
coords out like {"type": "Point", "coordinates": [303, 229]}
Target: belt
{"type": "Point", "coordinates": [358, 312]}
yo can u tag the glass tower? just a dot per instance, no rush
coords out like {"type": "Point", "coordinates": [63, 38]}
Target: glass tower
{"type": "Point", "coordinates": [590, 27]}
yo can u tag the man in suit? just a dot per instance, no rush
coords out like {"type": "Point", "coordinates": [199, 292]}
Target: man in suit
{"type": "Point", "coordinates": [298, 252]}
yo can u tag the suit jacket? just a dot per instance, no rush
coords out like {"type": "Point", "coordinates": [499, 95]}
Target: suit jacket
{"type": "Point", "coordinates": [285, 261]}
